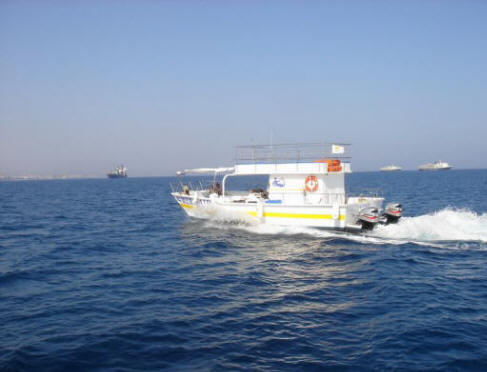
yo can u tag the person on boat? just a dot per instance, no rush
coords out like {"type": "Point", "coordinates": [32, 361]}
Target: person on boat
{"type": "Point", "coordinates": [261, 192]}
{"type": "Point", "coordinates": [186, 189]}
{"type": "Point", "coordinates": [218, 188]}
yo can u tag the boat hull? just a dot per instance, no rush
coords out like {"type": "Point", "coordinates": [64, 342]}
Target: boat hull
{"type": "Point", "coordinates": [436, 166]}
{"type": "Point", "coordinates": [116, 176]}
{"type": "Point", "coordinates": [335, 217]}
{"type": "Point", "coordinates": [390, 168]}
{"type": "Point", "coordinates": [434, 169]}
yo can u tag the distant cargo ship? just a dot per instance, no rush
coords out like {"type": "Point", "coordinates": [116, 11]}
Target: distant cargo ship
{"type": "Point", "coordinates": [119, 172]}
{"type": "Point", "coordinates": [437, 165]}
{"type": "Point", "coordinates": [390, 168]}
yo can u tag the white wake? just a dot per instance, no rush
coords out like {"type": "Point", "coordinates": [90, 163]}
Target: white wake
{"type": "Point", "coordinates": [434, 229]}
{"type": "Point", "coordinates": [445, 225]}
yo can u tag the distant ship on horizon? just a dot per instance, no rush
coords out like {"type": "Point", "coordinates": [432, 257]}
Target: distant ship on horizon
{"type": "Point", "coordinates": [391, 168]}
{"type": "Point", "coordinates": [118, 172]}
{"type": "Point", "coordinates": [437, 165]}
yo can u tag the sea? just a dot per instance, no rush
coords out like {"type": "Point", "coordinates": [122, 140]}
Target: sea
{"type": "Point", "coordinates": [111, 275]}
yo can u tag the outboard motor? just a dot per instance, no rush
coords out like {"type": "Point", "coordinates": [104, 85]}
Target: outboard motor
{"type": "Point", "coordinates": [369, 217]}
{"type": "Point", "coordinates": [393, 212]}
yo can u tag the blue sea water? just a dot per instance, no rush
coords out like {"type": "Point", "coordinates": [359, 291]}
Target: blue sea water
{"type": "Point", "coordinates": [111, 275]}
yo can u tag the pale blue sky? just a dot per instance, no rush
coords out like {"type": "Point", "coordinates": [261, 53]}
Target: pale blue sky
{"type": "Point", "coordinates": [165, 85]}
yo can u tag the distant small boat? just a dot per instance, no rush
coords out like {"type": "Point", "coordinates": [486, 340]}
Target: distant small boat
{"type": "Point", "coordinates": [390, 168]}
{"type": "Point", "coordinates": [118, 172]}
{"type": "Point", "coordinates": [437, 165]}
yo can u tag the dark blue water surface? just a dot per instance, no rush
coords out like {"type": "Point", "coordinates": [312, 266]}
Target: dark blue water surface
{"type": "Point", "coordinates": [111, 275]}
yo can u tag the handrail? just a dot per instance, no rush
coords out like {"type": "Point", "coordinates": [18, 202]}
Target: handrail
{"type": "Point", "coordinates": [297, 152]}
{"type": "Point", "coordinates": [365, 192]}
{"type": "Point", "coordinates": [301, 144]}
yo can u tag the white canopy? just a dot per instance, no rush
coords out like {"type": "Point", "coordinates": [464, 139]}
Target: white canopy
{"type": "Point", "coordinates": [205, 170]}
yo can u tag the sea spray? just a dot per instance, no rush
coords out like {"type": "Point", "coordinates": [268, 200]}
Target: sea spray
{"type": "Point", "coordinates": [448, 224]}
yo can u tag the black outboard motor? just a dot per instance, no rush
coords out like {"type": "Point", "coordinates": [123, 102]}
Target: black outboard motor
{"type": "Point", "coordinates": [369, 217]}
{"type": "Point", "coordinates": [393, 212]}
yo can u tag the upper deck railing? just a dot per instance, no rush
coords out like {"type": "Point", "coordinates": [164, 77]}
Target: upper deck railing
{"type": "Point", "coordinates": [291, 152]}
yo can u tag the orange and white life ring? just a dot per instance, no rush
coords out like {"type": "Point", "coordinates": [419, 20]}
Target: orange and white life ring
{"type": "Point", "coordinates": [311, 184]}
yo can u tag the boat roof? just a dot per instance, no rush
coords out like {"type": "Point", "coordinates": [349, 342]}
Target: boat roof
{"type": "Point", "coordinates": [284, 158]}
{"type": "Point", "coordinates": [205, 170]}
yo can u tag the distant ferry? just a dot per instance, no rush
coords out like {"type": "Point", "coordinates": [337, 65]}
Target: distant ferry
{"type": "Point", "coordinates": [437, 165]}
{"type": "Point", "coordinates": [118, 172]}
{"type": "Point", "coordinates": [390, 168]}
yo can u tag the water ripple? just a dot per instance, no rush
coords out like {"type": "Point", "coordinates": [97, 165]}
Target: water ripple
{"type": "Point", "coordinates": [102, 275]}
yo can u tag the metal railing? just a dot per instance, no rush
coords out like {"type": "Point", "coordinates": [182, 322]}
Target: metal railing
{"type": "Point", "coordinates": [366, 192]}
{"type": "Point", "coordinates": [291, 152]}
{"type": "Point", "coordinates": [195, 185]}
{"type": "Point", "coordinates": [288, 197]}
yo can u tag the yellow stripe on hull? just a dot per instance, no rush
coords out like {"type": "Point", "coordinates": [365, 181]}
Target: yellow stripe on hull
{"type": "Point", "coordinates": [284, 215]}
{"type": "Point", "coordinates": [298, 215]}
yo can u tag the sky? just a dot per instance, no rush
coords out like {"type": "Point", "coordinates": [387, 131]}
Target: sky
{"type": "Point", "coordinates": [166, 85]}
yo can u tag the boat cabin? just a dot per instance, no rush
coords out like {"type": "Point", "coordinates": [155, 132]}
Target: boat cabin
{"type": "Point", "coordinates": [298, 173]}
{"type": "Point", "coordinates": [299, 183]}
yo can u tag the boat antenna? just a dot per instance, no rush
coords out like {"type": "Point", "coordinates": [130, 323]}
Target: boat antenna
{"type": "Point", "coordinates": [272, 144]}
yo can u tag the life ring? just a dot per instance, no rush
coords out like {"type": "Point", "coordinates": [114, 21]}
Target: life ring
{"type": "Point", "coordinates": [311, 184]}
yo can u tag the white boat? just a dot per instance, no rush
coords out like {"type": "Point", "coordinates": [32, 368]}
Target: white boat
{"type": "Point", "coordinates": [305, 187]}
{"type": "Point", "coordinates": [437, 165]}
{"type": "Point", "coordinates": [390, 168]}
